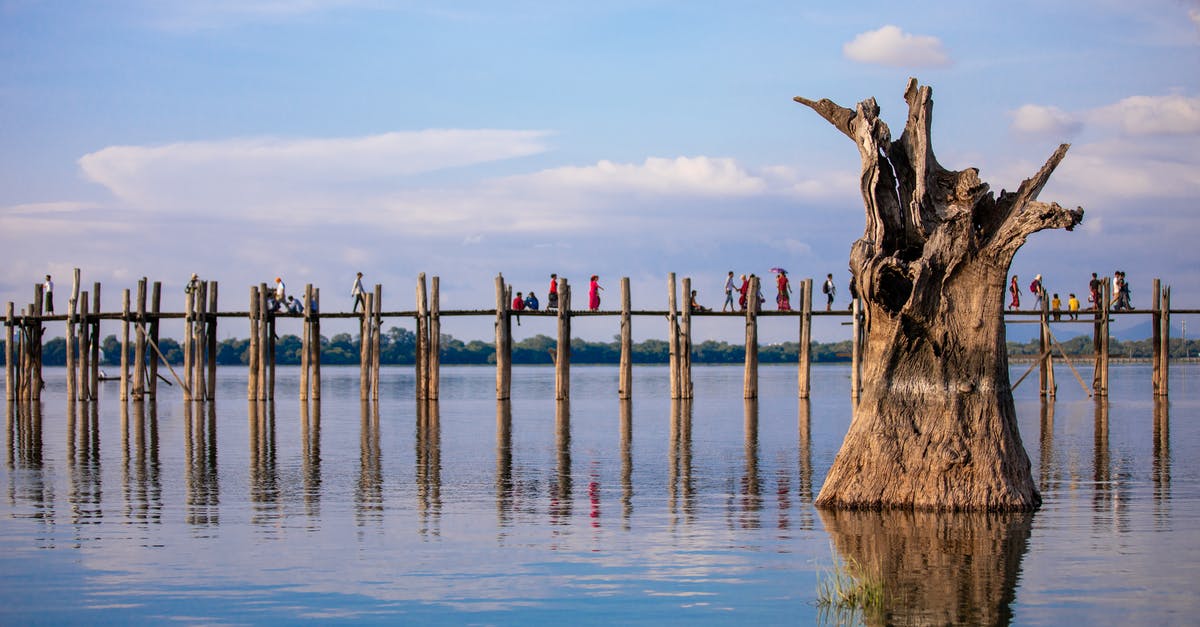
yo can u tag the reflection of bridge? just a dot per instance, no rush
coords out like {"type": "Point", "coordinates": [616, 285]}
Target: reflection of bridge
{"type": "Point", "coordinates": [142, 315]}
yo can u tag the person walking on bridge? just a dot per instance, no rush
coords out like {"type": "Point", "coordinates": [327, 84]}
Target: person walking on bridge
{"type": "Point", "coordinates": [360, 295]}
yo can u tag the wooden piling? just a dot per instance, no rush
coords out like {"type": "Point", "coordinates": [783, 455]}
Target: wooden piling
{"type": "Point", "coordinates": [685, 342]}
{"type": "Point", "coordinates": [803, 383]}
{"type": "Point", "coordinates": [364, 348]}
{"type": "Point", "coordinates": [270, 357]}
{"type": "Point", "coordinates": [25, 373]}
{"type": "Point", "coordinates": [263, 345]}
{"type": "Point", "coordinates": [1051, 383]}
{"type": "Point", "coordinates": [125, 345]}
{"type": "Point", "coordinates": [305, 339]}
{"type": "Point", "coordinates": [83, 341]}
{"type": "Point", "coordinates": [316, 347]}
{"type": "Point", "coordinates": [376, 330]}
{"type": "Point", "coordinates": [94, 340]}
{"type": "Point", "coordinates": [503, 342]}
{"type": "Point", "coordinates": [199, 342]}
{"type": "Point", "coordinates": [421, 347]}
{"type": "Point", "coordinates": [434, 359]}
{"type": "Point", "coordinates": [72, 339]}
{"type": "Point", "coordinates": [1156, 336]}
{"type": "Point", "coordinates": [36, 382]}
{"type": "Point", "coordinates": [750, 374]}
{"type": "Point", "coordinates": [189, 344]}
{"type": "Point", "coordinates": [86, 389]}
{"type": "Point", "coordinates": [139, 355]}
{"type": "Point", "coordinates": [673, 336]}
{"type": "Point", "coordinates": [210, 335]}
{"type": "Point", "coordinates": [155, 308]}
{"type": "Point", "coordinates": [1046, 384]}
{"type": "Point", "coordinates": [252, 349]}
{"type": "Point", "coordinates": [625, 370]}
{"type": "Point", "coordinates": [1102, 358]}
{"type": "Point", "coordinates": [1165, 352]}
{"type": "Point", "coordinates": [562, 355]}
{"type": "Point", "coordinates": [10, 379]}
{"type": "Point", "coordinates": [21, 350]}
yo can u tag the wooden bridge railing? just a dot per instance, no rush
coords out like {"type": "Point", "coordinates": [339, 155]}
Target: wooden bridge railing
{"type": "Point", "coordinates": [24, 334]}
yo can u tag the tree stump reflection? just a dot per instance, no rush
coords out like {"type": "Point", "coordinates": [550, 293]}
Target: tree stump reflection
{"type": "Point", "coordinates": [936, 568]}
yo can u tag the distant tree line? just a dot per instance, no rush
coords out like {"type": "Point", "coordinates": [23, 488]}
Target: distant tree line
{"type": "Point", "coordinates": [397, 346]}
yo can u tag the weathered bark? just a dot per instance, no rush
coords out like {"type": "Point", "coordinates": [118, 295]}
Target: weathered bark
{"type": "Point", "coordinates": [935, 427]}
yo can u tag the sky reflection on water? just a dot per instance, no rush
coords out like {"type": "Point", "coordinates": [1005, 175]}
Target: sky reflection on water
{"type": "Point", "coordinates": [592, 511]}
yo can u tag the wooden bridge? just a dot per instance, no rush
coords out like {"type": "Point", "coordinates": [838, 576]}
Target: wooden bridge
{"type": "Point", "coordinates": [141, 315]}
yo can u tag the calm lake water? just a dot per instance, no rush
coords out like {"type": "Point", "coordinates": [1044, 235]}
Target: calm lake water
{"type": "Point", "coordinates": [597, 512]}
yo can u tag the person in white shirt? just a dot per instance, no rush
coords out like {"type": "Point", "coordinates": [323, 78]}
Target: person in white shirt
{"type": "Point", "coordinates": [360, 296]}
{"type": "Point", "coordinates": [48, 291]}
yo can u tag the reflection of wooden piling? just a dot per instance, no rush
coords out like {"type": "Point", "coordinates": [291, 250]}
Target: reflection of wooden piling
{"type": "Point", "coordinates": [503, 342]}
{"type": "Point", "coordinates": [562, 355]}
{"type": "Point", "coordinates": [804, 386]}
{"type": "Point", "coordinates": [750, 374]}
{"type": "Point", "coordinates": [625, 370]}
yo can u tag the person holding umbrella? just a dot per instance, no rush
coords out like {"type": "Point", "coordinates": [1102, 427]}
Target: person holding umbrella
{"type": "Point", "coordinates": [783, 297]}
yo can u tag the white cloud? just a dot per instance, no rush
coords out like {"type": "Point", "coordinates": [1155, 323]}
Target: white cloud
{"type": "Point", "coordinates": [706, 176]}
{"type": "Point", "coordinates": [1152, 115]}
{"type": "Point", "coordinates": [893, 47]}
{"type": "Point", "coordinates": [833, 185]}
{"type": "Point", "coordinates": [1194, 15]}
{"type": "Point", "coordinates": [1102, 173]}
{"type": "Point", "coordinates": [1043, 121]}
{"type": "Point", "coordinates": [294, 178]}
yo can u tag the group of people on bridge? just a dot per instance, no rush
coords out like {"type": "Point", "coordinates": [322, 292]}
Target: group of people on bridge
{"type": "Point", "coordinates": [1121, 295]}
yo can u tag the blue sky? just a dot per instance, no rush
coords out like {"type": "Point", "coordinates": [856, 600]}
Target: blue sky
{"type": "Point", "coordinates": [248, 139]}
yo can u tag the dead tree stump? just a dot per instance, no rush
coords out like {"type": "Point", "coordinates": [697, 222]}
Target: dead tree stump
{"type": "Point", "coordinates": [935, 426]}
